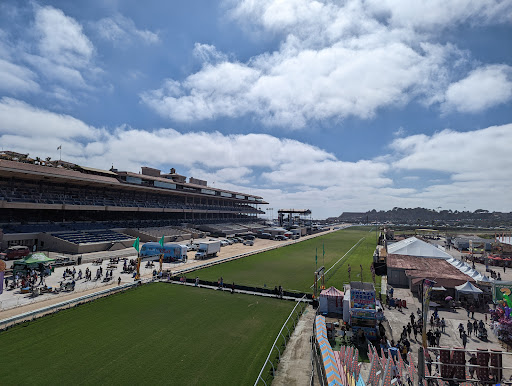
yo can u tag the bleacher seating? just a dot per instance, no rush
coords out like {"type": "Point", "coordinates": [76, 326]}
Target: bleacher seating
{"type": "Point", "coordinates": [96, 236]}
{"type": "Point", "coordinates": [54, 195]}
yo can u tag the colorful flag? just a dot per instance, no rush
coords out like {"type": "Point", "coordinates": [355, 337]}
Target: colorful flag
{"type": "Point", "coordinates": [161, 242]}
{"type": "Point", "coordinates": [60, 147]}
{"type": "Point", "coordinates": [136, 244]}
{"type": "Point", "coordinates": [316, 255]}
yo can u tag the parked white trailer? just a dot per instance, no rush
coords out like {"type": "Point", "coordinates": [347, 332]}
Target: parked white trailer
{"type": "Point", "coordinates": [208, 249]}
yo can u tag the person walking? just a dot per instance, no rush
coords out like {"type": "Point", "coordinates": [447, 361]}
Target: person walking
{"type": "Point", "coordinates": [412, 318]}
{"type": "Point", "coordinates": [461, 329]}
{"type": "Point", "coordinates": [464, 339]}
{"type": "Point", "coordinates": [119, 280]}
{"type": "Point", "coordinates": [197, 281]}
{"type": "Point", "coordinates": [438, 337]}
{"type": "Point", "coordinates": [443, 324]}
{"type": "Point", "coordinates": [409, 330]}
{"type": "Point", "coordinates": [415, 331]}
{"type": "Point", "coordinates": [469, 327]}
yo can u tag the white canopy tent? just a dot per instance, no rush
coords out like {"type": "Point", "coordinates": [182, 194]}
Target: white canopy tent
{"type": "Point", "coordinates": [467, 289]}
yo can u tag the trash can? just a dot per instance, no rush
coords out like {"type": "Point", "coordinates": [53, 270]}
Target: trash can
{"type": "Point", "coordinates": [404, 304]}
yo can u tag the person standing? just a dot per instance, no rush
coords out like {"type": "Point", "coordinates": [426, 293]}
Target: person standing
{"type": "Point", "coordinates": [197, 281]}
{"type": "Point", "coordinates": [119, 280]}
{"type": "Point", "coordinates": [412, 318]}
{"type": "Point", "coordinates": [438, 337]}
{"type": "Point", "coordinates": [409, 330]}
{"type": "Point", "coordinates": [464, 339]}
{"type": "Point", "coordinates": [470, 327]}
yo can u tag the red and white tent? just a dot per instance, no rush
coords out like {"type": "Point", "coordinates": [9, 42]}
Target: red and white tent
{"type": "Point", "coordinates": [331, 301]}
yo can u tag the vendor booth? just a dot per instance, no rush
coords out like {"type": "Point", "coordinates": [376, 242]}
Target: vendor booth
{"type": "Point", "coordinates": [36, 261]}
{"type": "Point", "coordinates": [469, 290]}
{"type": "Point", "coordinates": [363, 312]}
{"type": "Point", "coordinates": [331, 301]}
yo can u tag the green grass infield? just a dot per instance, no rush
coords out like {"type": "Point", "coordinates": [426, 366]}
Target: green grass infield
{"type": "Point", "coordinates": [156, 334]}
{"type": "Point", "coordinates": [293, 266]}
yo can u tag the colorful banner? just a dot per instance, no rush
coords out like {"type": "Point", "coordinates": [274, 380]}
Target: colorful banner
{"type": "Point", "coordinates": [362, 299]}
{"type": "Point", "coordinates": [1, 282]}
{"type": "Point", "coordinates": [501, 288]}
{"type": "Point", "coordinates": [427, 290]}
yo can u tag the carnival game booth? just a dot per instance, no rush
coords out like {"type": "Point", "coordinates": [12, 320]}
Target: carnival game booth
{"type": "Point", "coordinates": [35, 261]}
{"type": "Point", "coordinates": [363, 309]}
{"type": "Point", "coordinates": [331, 301]}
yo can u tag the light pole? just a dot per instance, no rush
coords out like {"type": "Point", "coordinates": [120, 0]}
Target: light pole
{"type": "Point", "coordinates": [271, 213]}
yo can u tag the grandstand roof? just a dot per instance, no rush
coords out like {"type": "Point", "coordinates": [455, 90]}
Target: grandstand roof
{"type": "Point", "coordinates": [9, 167]}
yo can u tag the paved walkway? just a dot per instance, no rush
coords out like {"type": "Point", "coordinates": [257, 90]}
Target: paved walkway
{"type": "Point", "coordinates": [295, 365]}
{"type": "Point", "coordinates": [450, 338]}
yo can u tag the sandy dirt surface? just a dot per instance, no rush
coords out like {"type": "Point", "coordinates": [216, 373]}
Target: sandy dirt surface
{"type": "Point", "coordinates": [295, 365]}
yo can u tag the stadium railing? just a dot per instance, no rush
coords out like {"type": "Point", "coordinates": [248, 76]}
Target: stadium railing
{"type": "Point", "coordinates": [294, 316]}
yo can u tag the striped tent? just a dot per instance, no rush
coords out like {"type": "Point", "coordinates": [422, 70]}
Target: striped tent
{"type": "Point", "coordinates": [329, 361]}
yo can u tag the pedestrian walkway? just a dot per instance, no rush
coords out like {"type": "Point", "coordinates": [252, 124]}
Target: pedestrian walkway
{"type": "Point", "coordinates": [295, 365]}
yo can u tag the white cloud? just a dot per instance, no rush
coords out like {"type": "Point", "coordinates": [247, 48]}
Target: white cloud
{"type": "Point", "coordinates": [439, 14]}
{"type": "Point", "coordinates": [17, 79]}
{"type": "Point", "coordinates": [479, 155]}
{"type": "Point", "coordinates": [335, 60]}
{"type": "Point", "coordinates": [291, 87]}
{"type": "Point", "coordinates": [21, 119]}
{"type": "Point", "coordinates": [61, 38]}
{"type": "Point", "coordinates": [120, 29]}
{"type": "Point", "coordinates": [208, 53]}
{"type": "Point", "coordinates": [483, 88]}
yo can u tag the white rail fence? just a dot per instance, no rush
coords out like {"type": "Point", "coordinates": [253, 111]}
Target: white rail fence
{"type": "Point", "coordinates": [294, 316]}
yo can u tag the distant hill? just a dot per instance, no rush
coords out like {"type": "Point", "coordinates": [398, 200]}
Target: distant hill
{"type": "Point", "coordinates": [422, 216]}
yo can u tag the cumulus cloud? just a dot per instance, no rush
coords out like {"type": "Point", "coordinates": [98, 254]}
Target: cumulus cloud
{"type": "Point", "coordinates": [483, 88]}
{"type": "Point", "coordinates": [335, 60]}
{"type": "Point", "coordinates": [61, 38]}
{"type": "Point", "coordinates": [18, 118]}
{"type": "Point", "coordinates": [120, 29]}
{"type": "Point", "coordinates": [478, 155]}
{"type": "Point", "coordinates": [52, 57]}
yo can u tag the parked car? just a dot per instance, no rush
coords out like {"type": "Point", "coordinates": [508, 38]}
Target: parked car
{"type": "Point", "coordinates": [224, 243]}
{"type": "Point", "coordinates": [265, 235]}
{"type": "Point", "coordinates": [280, 238]}
{"type": "Point", "coordinates": [249, 242]}
{"type": "Point", "coordinates": [16, 252]}
{"type": "Point", "coordinates": [249, 237]}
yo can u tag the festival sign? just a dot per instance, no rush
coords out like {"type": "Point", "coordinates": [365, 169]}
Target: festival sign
{"type": "Point", "coordinates": [362, 298]}
{"type": "Point", "coordinates": [499, 289]}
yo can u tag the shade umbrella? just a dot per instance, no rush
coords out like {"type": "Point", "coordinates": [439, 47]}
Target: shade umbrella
{"type": "Point", "coordinates": [448, 298]}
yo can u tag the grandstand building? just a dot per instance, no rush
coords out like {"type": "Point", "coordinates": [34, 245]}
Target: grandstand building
{"type": "Point", "coordinates": [66, 207]}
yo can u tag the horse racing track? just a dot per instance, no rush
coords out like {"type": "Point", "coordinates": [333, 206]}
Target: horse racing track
{"type": "Point", "coordinates": [157, 333]}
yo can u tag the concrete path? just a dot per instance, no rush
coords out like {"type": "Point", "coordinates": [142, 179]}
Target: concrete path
{"type": "Point", "coordinates": [295, 366]}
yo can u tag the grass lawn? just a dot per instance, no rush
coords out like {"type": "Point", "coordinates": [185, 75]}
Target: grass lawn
{"type": "Point", "coordinates": [361, 255]}
{"type": "Point", "coordinates": [156, 334]}
{"type": "Point", "coordinates": [293, 266]}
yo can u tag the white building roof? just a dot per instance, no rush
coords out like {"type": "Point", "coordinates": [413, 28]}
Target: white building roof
{"type": "Point", "coordinates": [415, 247]}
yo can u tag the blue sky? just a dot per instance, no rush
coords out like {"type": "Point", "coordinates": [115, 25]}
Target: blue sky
{"type": "Point", "coordinates": [331, 106]}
